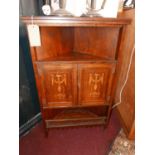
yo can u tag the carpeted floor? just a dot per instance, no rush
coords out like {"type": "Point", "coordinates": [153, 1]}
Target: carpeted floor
{"type": "Point", "coordinates": [70, 141]}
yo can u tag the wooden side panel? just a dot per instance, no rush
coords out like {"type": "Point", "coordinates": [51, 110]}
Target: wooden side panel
{"type": "Point", "coordinates": [131, 135]}
{"type": "Point", "coordinates": [94, 81]}
{"type": "Point", "coordinates": [55, 42]}
{"type": "Point", "coordinates": [58, 84]}
{"type": "Point", "coordinates": [126, 109]}
{"type": "Point", "coordinates": [97, 41]}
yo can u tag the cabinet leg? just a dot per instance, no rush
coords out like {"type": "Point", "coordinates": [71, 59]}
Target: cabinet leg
{"type": "Point", "coordinates": [46, 132]}
{"type": "Point", "coordinates": [106, 124]}
{"type": "Point", "coordinates": [45, 129]}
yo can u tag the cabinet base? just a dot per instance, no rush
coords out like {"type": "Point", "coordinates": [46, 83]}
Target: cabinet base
{"type": "Point", "coordinates": [75, 122]}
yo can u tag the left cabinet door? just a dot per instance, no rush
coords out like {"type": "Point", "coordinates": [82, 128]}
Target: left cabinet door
{"type": "Point", "coordinates": [58, 84]}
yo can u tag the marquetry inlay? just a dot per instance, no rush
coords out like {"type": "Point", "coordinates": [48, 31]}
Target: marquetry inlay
{"type": "Point", "coordinates": [59, 80]}
{"type": "Point", "coordinates": [95, 81]}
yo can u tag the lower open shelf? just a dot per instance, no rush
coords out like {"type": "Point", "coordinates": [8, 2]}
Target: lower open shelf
{"type": "Point", "coordinates": [72, 117]}
{"type": "Point", "coordinates": [75, 122]}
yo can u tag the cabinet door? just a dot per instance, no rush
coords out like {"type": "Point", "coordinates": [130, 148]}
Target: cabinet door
{"type": "Point", "coordinates": [94, 83]}
{"type": "Point", "coordinates": [58, 84]}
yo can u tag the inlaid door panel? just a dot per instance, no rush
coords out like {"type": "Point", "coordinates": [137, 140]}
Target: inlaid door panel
{"type": "Point", "coordinates": [94, 83]}
{"type": "Point", "coordinates": [59, 84]}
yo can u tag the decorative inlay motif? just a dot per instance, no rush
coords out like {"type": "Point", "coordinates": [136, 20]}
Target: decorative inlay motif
{"type": "Point", "coordinates": [59, 80]}
{"type": "Point", "coordinates": [95, 82]}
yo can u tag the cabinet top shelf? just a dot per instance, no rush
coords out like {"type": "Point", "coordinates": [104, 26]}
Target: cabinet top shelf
{"type": "Point", "coordinates": [75, 57]}
{"type": "Point", "coordinates": [75, 21]}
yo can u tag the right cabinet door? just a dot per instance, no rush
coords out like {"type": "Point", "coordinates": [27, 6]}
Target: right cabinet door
{"type": "Point", "coordinates": [95, 83]}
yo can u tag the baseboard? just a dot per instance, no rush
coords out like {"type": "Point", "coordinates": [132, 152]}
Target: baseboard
{"type": "Point", "coordinates": [29, 124]}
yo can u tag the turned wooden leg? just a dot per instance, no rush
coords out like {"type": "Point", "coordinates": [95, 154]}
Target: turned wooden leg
{"type": "Point", "coordinates": [46, 132]}
{"type": "Point", "coordinates": [45, 129]}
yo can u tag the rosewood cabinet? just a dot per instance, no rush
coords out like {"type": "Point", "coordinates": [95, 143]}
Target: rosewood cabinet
{"type": "Point", "coordinates": [77, 68]}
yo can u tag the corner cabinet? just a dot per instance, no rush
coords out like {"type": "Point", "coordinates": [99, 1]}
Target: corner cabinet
{"type": "Point", "coordinates": [76, 68]}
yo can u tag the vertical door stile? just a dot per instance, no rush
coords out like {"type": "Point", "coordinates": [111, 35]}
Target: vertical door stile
{"type": "Point", "coordinates": [77, 76]}
{"type": "Point", "coordinates": [42, 83]}
{"type": "Point", "coordinates": [75, 86]}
